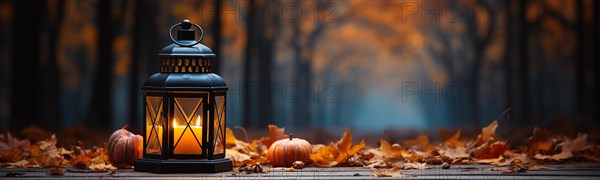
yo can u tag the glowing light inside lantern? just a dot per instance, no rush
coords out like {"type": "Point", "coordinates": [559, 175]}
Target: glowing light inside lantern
{"type": "Point", "coordinates": [188, 144]}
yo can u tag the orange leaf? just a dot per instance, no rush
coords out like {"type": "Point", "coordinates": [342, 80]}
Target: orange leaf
{"type": "Point", "coordinates": [11, 155]}
{"type": "Point", "coordinates": [568, 147]}
{"type": "Point", "coordinates": [335, 154]}
{"type": "Point", "coordinates": [9, 142]}
{"type": "Point", "coordinates": [490, 150]}
{"type": "Point", "coordinates": [489, 131]}
{"type": "Point", "coordinates": [275, 133]}
{"type": "Point", "coordinates": [230, 138]}
{"type": "Point", "coordinates": [454, 140]}
{"type": "Point", "coordinates": [421, 142]}
{"type": "Point", "coordinates": [81, 162]}
{"type": "Point", "coordinates": [539, 141]}
{"type": "Point", "coordinates": [345, 148]}
{"type": "Point", "coordinates": [325, 156]}
{"type": "Point", "coordinates": [388, 150]}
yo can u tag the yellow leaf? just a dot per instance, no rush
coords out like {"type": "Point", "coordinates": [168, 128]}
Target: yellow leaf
{"type": "Point", "coordinates": [230, 138]}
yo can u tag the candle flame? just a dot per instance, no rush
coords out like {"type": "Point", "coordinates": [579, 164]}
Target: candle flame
{"type": "Point", "coordinates": [174, 122]}
{"type": "Point", "coordinates": [198, 120]}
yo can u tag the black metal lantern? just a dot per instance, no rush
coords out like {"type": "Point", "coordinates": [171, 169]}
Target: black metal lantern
{"type": "Point", "coordinates": [184, 108]}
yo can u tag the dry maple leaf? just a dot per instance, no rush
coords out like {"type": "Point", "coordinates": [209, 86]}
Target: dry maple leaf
{"type": "Point", "coordinates": [237, 157]}
{"type": "Point", "coordinates": [230, 138]}
{"type": "Point", "coordinates": [9, 142]}
{"type": "Point", "coordinates": [513, 157]}
{"type": "Point", "coordinates": [490, 150]}
{"type": "Point", "coordinates": [385, 156]}
{"type": "Point", "coordinates": [275, 133]}
{"type": "Point", "coordinates": [487, 145]}
{"type": "Point", "coordinates": [487, 134]}
{"type": "Point", "coordinates": [454, 152]}
{"type": "Point", "coordinates": [567, 148]}
{"type": "Point", "coordinates": [10, 155]}
{"type": "Point", "coordinates": [345, 148]}
{"type": "Point", "coordinates": [421, 143]}
{"type": "Point", "coordinates": [489, 131]}
{"type": "Point", "coordinates": [454, 141]}
{"type": "Point", "coordinates": [540, 140]}
{"type": "Point", "coordinates": [325, 156]}
{"type": "Point", "coordinates": [258, 147]}
{"type": "Point", "coordinates": [337, 153]}
{"type": "Point", "coordinates": [415, 165]}
{"type": "Point", "coordinates": [41, 154]}
{"type": "Point", "coordinates": [241, 152]}
{"type": "Point", "coordinates": [82, 161]}
{"type": "Point", "coordinates": [394, 150]}
{"type": "Point", "coordinates": [96, 160]}
{"type": "Point", "coordinates": [453, 148]}
{"type": "Point", "coordinates": [316, 147]}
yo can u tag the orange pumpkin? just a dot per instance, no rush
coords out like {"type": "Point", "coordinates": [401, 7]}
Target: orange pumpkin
{"type": "Point", "coordinates": [124, 147]}
{"type": "Point", "coordinates": [286, 151]}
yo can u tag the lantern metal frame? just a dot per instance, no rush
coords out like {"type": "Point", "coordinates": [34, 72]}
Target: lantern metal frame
{"type": "Point", "coordinates": [186, 72]}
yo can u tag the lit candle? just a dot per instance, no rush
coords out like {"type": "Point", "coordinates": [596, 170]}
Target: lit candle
{"type": "Point", "coordinates": [188, 144]}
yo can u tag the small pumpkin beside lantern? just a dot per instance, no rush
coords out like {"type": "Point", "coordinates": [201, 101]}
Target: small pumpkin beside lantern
{"type": "Point", "coordinates": [284, 152]}
{"type": "Point", "coordinates": [124, 147]}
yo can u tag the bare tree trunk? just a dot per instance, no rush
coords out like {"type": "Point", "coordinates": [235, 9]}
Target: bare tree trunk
{"type": "Point", "coordinates": [301, 73]}
{"type": "Point", "coordinates": [135, 121]}
{"type": "Point", "coordinates": [25, 93]}
{"type": "Point", "coordinates": [596, 55]}
{"type": "Point", "coordinates": [508, 54]}
{"type": "Point", "coordinates": [523, 64]}
{"type": "Point", "coordinates": [51, 111]}
{"type": "Point", "coordinates": [480, 45]}
{"type": "Point", "coordinates": [268, 31]}
{"type": "Point", "coordinates": [100, 115]}
{"type": "Point", "coordinates": [216, 25]}
{"type": "Point", "coordinates": [247, 63]}
{"type": "Point", "coordinates": [580, 59]}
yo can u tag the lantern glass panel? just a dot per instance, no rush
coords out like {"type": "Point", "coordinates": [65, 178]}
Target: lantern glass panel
{"type": "Point", "coordinates": [154, 124]}
{"type": "Point", "coordinates": [219, 125]}
{"type": "Point", "coordinates": [187, 139]}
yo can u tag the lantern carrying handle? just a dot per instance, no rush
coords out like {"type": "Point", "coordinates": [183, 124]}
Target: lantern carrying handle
{"type": "Point", "coordinates": [186, 45]}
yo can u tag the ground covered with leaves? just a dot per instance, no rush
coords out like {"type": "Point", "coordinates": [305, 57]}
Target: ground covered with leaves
{"type": "Point", "coordinates": [385, 158]}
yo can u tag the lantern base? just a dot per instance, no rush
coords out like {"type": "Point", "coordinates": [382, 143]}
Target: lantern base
{"type": "Point", "coordinates": [183, 166]}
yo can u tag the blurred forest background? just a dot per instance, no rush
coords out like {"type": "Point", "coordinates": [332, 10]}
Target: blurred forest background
{"type": "Point", "coordinates": [371, 65]}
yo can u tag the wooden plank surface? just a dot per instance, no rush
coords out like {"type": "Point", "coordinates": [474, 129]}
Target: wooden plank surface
{"type": "Point", "coordinates": [567, 171]}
